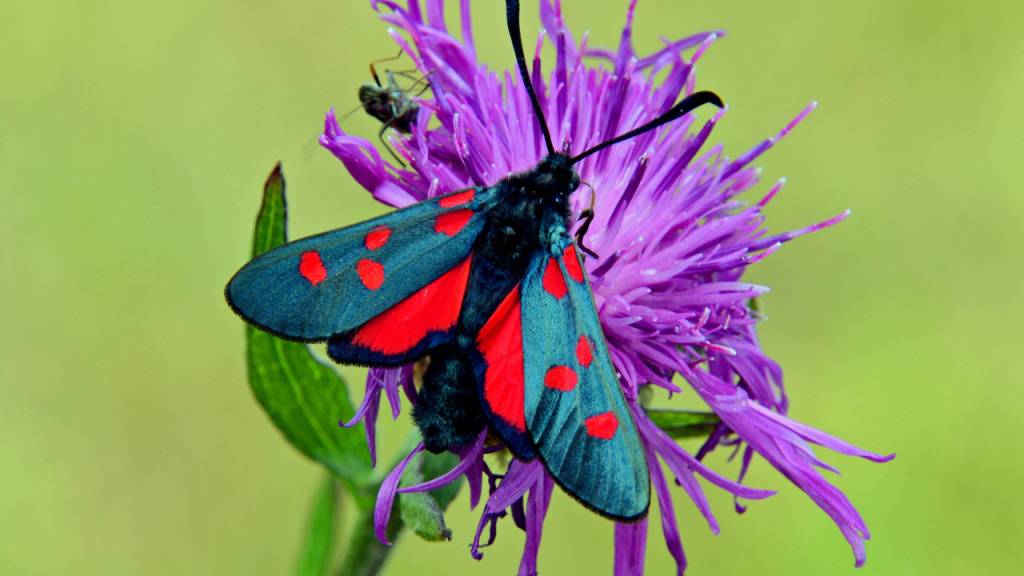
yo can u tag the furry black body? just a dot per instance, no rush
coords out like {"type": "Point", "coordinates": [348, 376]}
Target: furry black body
{"type": "Point", "coordinates": [534, 209]}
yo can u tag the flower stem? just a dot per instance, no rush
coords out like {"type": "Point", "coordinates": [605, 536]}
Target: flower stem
{"type": "Point", "coordinates": [365, 555]}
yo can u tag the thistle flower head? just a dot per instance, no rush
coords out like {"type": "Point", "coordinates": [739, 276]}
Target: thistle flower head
{"type": "Point", "coordinates": [674, 242]}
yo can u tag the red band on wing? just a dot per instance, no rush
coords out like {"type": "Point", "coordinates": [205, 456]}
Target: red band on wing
{"type": "Point", "coordinates": [501, 343]}
{"type": "Point", "coordinates": [457, 199]}
{"type": "Point", "coordinates": [572, 263]}
{"type": "Point", "coordinates": [602, 426]}
{"type": "Point", "coordinates": [435, 307]}
{"type": "Point", "coordinates": [312, 267]}
{"type": "Point", "coordinates": [451, 223]}
{"type": "Point", "coordinates": [553, 281]}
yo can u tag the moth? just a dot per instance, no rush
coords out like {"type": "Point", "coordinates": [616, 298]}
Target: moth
{"type": "Point", "coordinates": [489, 282]}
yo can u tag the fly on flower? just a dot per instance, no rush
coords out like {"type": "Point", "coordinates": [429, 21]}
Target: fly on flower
{"type": "Point", "coordinates": [489, 282]}
{"type": "Point", "coordinates": [391, 104]}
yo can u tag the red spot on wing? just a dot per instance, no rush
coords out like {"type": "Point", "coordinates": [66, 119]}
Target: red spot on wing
{"type": "Point", "coordinates": [377, 237]}
{"type": "Point", "coordinates": [602, 426]}
{"type": "Point", "coordinates": [451, 223]}
{"type": "Point", "coordinates": [435, 307]}
{"type": "Point", "coordinates": [561, 378]}
{"type": "Point", "coordinates": [501, 343]}
{"type": "Point", "coordinates": [553, 281]}
{"type": "Point", "coordinates": [457, 199]}
{"type": "Point", "coordinates": [584, 353]}
{"type": "Point", "coordinates": [572, 263]}
{"type": "Point", "coordinates": [312, 267]}
{"type": "Point", "coordinates": [371, 273]}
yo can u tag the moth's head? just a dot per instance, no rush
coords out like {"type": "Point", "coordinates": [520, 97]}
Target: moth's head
{"type": "Point", "coordinates": [556, 176]}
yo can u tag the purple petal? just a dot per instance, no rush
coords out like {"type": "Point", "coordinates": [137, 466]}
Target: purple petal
{"type": "Point", "coordinates": [519, 478]}
{"type": "Point", "coordinates": [537, 509]}
{"type": "Point", "coordinates": [472, 457]}
{"type": "Point", "coordinates": [630, 547]}
{"type": "Point", "coordinates": [669, 527]}
{"type": "Point", "coordinates": [386, 497]}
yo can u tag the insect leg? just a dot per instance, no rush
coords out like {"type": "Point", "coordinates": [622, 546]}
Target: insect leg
{"type": "Point", "coordinates": [426, 85]}
{"type": "Point", "coordinates": [380, 135]}
{"type": "Point", "coordinates": [586, 217]}
{"type": "Point", "coordinates": [361, 106]}
{"type": "Point", "coordinates": [416, 78]}
{"type": "Point", "coordinates": [373, 67]}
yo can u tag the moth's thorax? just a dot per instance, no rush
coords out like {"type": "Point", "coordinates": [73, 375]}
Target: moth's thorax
{"type": "Point", "coordinates": [541, 199]}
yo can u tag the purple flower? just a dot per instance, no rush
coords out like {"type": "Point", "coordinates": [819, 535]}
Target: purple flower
{"type": "Point", "coordinates": [674, 240]}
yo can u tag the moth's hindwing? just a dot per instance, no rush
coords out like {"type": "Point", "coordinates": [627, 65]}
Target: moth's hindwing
{"type": "Point", "coordinates": [337, 282]}
{"type": "Point", "coordinates": [574, 408]}
{"type": "Point", "coordinates": [500, 374]}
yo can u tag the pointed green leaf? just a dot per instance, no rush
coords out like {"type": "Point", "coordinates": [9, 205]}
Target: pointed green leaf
{"type": "Point", "coordinates": [318, 547]}
{"type": "Point", "coordinates": [423, 512]}
{"type": "Point", "coordinates": [684, 423]}
{"type": "Point", "coordinates": [304, 397]}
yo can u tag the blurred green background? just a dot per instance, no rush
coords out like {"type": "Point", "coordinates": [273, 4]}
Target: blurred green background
{"type": "Point", "coordinates": [134, 141]}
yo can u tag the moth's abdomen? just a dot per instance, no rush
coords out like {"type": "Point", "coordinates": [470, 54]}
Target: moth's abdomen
{"type": "Point", "coordinates": [448, 411]}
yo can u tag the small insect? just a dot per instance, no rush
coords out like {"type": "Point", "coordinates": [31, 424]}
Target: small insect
{"type": "Point", "coordinates": [391, 104]}
{"type": "Point", "coordinates": [490, 283]}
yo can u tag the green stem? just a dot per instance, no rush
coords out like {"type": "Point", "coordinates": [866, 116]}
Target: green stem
{"type": "Point", "coordinates": [318, 546]}
{"type": "Point", "coordinates": [365, 555]}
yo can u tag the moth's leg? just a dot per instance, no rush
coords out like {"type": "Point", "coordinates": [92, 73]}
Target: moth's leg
{"type": "Point", "coordinates": [586, 217]}
{"type": "Point", "coordinates": [447, 410]}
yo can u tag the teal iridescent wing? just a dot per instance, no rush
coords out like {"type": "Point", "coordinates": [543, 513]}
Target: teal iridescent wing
{"type": "Point", "coordinates": [336, 282]}
{"type": "Point", "coordinates": [575, 411]}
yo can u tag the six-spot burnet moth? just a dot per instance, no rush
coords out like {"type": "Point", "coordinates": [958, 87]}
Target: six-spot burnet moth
{"type": "Point", "coordinates": [489, 282]}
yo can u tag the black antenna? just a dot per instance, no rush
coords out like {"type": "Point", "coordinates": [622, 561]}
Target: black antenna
{"type": "Point", "coordinates": [684, 106]}
{"type": "Point", "coordinates": [512, 15]}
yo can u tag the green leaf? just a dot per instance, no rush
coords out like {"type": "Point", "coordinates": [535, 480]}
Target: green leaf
{"type": "Point", "coordinates": [304, 397]}
{"type": "Point", "coordinates": [684, 423]}
{"type": "Point", "coordinates": [423, 512]}
{"type": "Point", "coordinates": [317, 549]}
